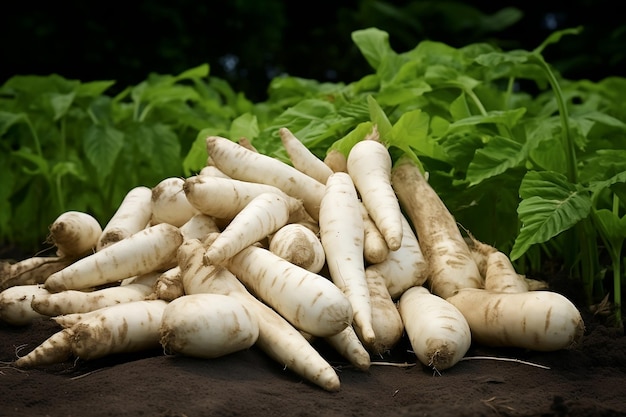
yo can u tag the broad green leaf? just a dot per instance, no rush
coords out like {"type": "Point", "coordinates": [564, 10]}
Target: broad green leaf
{"type": "Point", "coordinates": [61, 103]}
{"type": "Point", "coordinates": [373, 44]}
{"type": "Point", "coordinates": [8, 119]}
{"type": "Point", "coordinates": [245, 126]}
{"type": "Point", "coordinates": [200, 71]}
{"type": "Point", "coordinates": [165, 158]}
{"type": "Point", "coordinates": [379, 118]}
{"type": "Point", "coordinates": [556, 36]}
{"type": "Point", "coordinates": [410, 133]}
{"type": "Point", "coordinates": [508, 118]}
{"type": "Point", "coordinates": [102, 145]}
{"type": "Point", "coordinates": [498, 155]}
{"type": "Point", "coordinates": [612, 227]}
{"type": "Point", "coordinates": [550, 205]}
{"type": "Point", "coordinates": [41, 164]}
{"type": "Point", "coordinates": [459, 109]}
{"type": "Point", "coordinates": [357, 134]}
{"type": "Point", "coordinates": [93, 88]}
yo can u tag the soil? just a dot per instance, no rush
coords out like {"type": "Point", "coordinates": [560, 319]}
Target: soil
{"type": "Point", "coordinates": [589, 380]}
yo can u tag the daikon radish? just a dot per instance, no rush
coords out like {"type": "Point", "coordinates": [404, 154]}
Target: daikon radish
{"type": "Point", "coordinates": [242, 164]}
{"type": "Point", "coordinates": [55, 349]}
{"type": "Point", "coordinates": [75, 234]}
{"type": "Point", "coordinates": [169, 203]}
{"type": "Point", "coordinates": [15, 308]}
{"type": "Point", "coordinates": [145, 251]}
{"type": "Point", "coordinates": [501, 276]}
{"type": "Point", "coordinates": [375, 249]}
{"type": "Point", "coordinates": [198, 227]}
{"type": "Point", "coordinates": [29, 271]}
{"type": "Point", "coordinates": [302, 158]}
{"type": "Point", "coordinates": [169, 285]}
{"type": "Point", "coordinates": [310, 302]}
{"type": "Point", "coordinates": [298, 244]}
{"type": "Point", "coordinates": [439, 334]}
{"type": "Point", "coordinates": [341, 233]}
{"type": "Point", "coordinates": [535, 320]}
{"type": "Point", "coordinates": [369, 166]}
{"type": "Point", "coordinates": [277, 337]}
{"type": "Point", "coordinates": [405, 267]}
{"type": "Point", "coordinates": [348, 345]}
{"type": "Point", "coordinates": [450, 263]}
{"type": "Point", "coordinates": [132, 215]}
{"type": "Point", "coordinates": [207, 326]}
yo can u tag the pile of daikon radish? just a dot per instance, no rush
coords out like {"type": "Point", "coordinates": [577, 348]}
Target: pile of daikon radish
{"type": "Point", "coordinates": [256, 251]}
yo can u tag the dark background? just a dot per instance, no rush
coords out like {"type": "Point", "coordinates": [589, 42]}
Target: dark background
{"type": "Point", "coordinates": [249, 42]}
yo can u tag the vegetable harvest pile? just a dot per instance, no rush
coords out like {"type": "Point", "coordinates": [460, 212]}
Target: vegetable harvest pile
{"type": "Point", "coordinates": [415, 204]}
{"type": "Point", "coordinates": [253, 250]}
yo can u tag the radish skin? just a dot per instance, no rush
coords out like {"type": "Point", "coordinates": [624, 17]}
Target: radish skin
{"type": "Point", "coordinates": [348, 345]}
{"type": "Point", "coordinates": [439, 334]}
{"type": "Point", "coordinates": [310, 302]}
{"type": "Point", "coordinates": [450, 263]}
{"type": "Point", "coordinates": [169, 203]}
{"type": "Point", "coordinates": [224, 198]}
{"type": "Point", "coordinates": [341, 233]}
{"type": "Point", "coordinates": [501, 276]}
{"type": "Point", "coordinates": [404, 268]}
{"type": "Point", "coordinates": [207, 326]}
{"type": "Point", "coordinates": [198, 227]}
{"type": "Point", "coordinates": [369, 166]}
{"type": "Point", "coordinates": [302, 158]}
{"type": "Point", "coordinates": [132, 215]}
{"type": "Point", "coordinates": [375, 249]}
{"type": "Point", "coordinates": [299, 245]}
{"type": "Point", "coordinates": [122, 328]}
{"type": "Point", "coordinates": [75, 234]}
{"type": "Point", "coordinates": [242, 164]}
{"type": "Point", "coordinates": [29, 271]}
{"type": "Point", "coordinates": [277, 337]}
{"type": "Point", "coordinates": [262, 216]}
{"type": "Point", "coordinates": [76, 301]}
{"type": "Point", "coordinates": [169, 285]}
{"type": "Point", "coordinates": [535, 320]}
{"type": "Point", "coordinates": [15, 308]}
{"type": "Point", "coordinates": [55, 349]}
{"type": "Point", "coordinates": [145, 251]}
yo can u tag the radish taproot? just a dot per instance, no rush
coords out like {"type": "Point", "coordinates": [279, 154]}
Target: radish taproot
{"type": "Point", "coordinates": [450, 263]}
{"type": "Point", "coordinates": [299, 245]}
{"type": "Point", "coordinates": [145, 251]}
{"type": "Point", "coordinates": [348, 344]}
{"type": "Point", "coordinates": [375, 249]}
{"type": "Point", "coordinates": [242, 164]}
{"type": "Point", "coordinates": [15, 304]}
{"type": "Point", "coordinates": [169, 203]}
{"type": "Point", "coordinates": [132, 215]}
{"type": "Point", "coordinates": [280, 340]}
{"type": "Point", "coordinates": [207, 326]}
{"type": "Point", "coordinates": [302, 158]}
{"type": "Point", "coordinates": [310, 302]}
{"type": "Point", "coordinates": [369, 166]}
{"type": "Point", "coordinates": [439, 334]}
{"type": "Point", "coordinates": [534, 320]}
{"type": "Point", "coordinates": [262, 216]}
{"type": "Point", "coordinates": [29, 271]}
{"type": "Point", "coordinates": [55, 349]}
{"type": "Point", "coordinates": [75, 234]}
{"type": "Point", "coordinates": [342, 234]}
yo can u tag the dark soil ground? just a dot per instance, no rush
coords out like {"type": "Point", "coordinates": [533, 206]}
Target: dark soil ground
{"type": "Point", "coordinates": [589, 380]}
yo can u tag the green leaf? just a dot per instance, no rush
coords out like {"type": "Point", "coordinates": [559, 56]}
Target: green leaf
{"type": "Point", "coordinates": [200, 71]}
{"type": "Point", "coordinates": [245, 126]}
{"type": "Point", "coordinates": [379, 118]}
{"type": "Point", "coordinates": [498, 155]}
{"type": "Point", "coordinates": [93, 88]}
{"type": "Point", "coordinates": [550, 205]}
{"type": "Point", "coordinates": [357, 134]}
{"type": "Point", "coordinates": [508, 118]}
{"type": "Point", "coordinates": [373, 44]}
{"type": "Point", "coordinates": [102, 145]}
{"type": "Point", "coordinates": [612, 227]}
{"type": "Point", "coordinates": [8, 119]}
{"type": "Point", "coordinates": [61, 103]}
{"type": "Point", "coordinates": [410, 133]}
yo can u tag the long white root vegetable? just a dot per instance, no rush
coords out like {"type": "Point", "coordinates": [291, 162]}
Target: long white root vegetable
{"type": "Point", "coordinates": [169, 285]}
{"type": "Point", "coordinates": [439, 334]}
{"type": "Point", "coordinates": [386, 320]}
{"type": "Point", "coordinates": [451, 266]}
{"type": "Point", "coordinates": [122, 328]}
{"type": "Point", "coordinates": [75, 234]}
{"type": "Point", "coordinates": [199, 227]}
{"type": "Point", "coordinates": [535, 320]}
{"type": "Point", "coordinates": [145, 251]}
{"type": "Point", "coordinates": [375, 249]}
{"type": "Point", "coordinates": [341, 233]}
{"type": "Point", "coordinates": [277, 337]}
{"type": "Point", "coordinates": [348, 345]}
{"type": "Point", "coordinates": [262, 216]}
{"type": "Point", "coordinates": [169, 203]}
{"type": "Point", "coordinates": [501, 276]}
{"type": "Point", "coordinates": [15, 308]}
{"type": "Point", "coordinates": [78, 301]}
{"type": "Point", "coordinates": [299, 245]}
{"type": "Point", "coordinates": [369, 166]}
{"type": "Point", "coordinates": [132, 215]}
{"type": "Point", "coordinates": [240, 163]}
{"type": "Point", "coordinates": [224, 198]}
{"type": "Point", "coordinates": [207, 326]}
{"type": "Point", "coordinates": [55, 349]}
{"type": "Point", "coordinates": [405, 267]}
{"type": "Point", "coordinates": [310, 302]}
{"type": "Point", "coordinates": [29, 271]}
{"type": "Point", "coordinates": [302, 158]}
